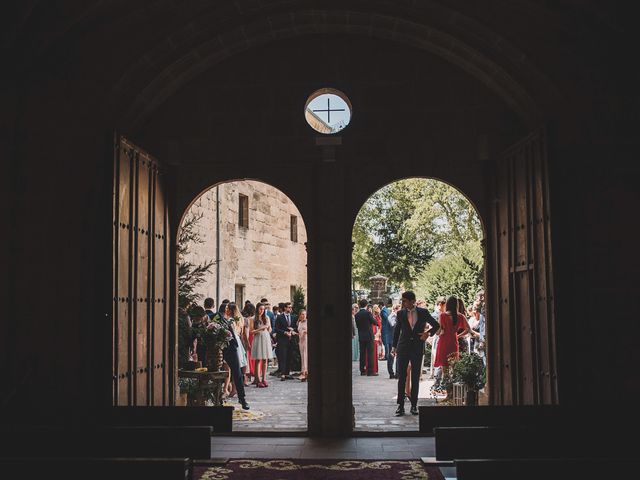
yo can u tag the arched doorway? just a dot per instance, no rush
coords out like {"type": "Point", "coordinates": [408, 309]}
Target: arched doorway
{"type": "Point", "coordinates": [331, 188]}
{"type": "Point", "coordinates": [243, 241]}
{"type": "Point", "coordinates": [416, 234]}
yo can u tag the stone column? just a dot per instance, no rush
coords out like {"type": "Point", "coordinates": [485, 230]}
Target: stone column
{"type": "Point", "coordinates": [329, 268]}
{"type": "Point", "coordinates": [378, 288]}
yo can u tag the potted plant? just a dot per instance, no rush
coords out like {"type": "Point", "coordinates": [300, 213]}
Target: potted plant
{"type": "Point", "coordinates": [188, 387]}
{"type": "Point", "coordinates": [470, 371]}
{"type": "Point", "coordinates": [216, 336]}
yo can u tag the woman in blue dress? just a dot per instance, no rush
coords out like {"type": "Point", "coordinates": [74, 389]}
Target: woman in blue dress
{"type": "Point", "coordinates": [355, 345]}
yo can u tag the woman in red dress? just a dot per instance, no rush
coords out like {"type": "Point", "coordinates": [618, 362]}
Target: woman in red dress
{"type": "Point", "coordinates": [377, 333]}
{"type": "Point", "coordinates": [376, 339]}
{"type": "Point", "coordinates": [451, 322]}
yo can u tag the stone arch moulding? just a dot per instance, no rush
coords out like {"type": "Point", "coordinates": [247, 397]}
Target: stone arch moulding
{"type": "Point", "coordinates": [493, 72]}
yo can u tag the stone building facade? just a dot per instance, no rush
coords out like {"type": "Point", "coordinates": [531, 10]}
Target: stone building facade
{"type": "Point", "coordinates": [261, 250]}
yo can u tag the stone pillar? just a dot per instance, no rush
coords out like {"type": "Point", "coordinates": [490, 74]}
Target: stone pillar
{"type": "Point", "coordinates": [330, 411]}
{"type": "Point", "coordinates": [378, 289]}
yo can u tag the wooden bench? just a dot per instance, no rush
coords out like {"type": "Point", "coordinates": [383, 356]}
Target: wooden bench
{"type": "Point", "coordinates": [74, 468]}
{"type": "Point", "coordinates": [219, 418]}
{"type": "Point", "coordinates": [458, 443]}
{"type": "Point", "coordinates": [547, 468]}
{"type": "Point", "coordinates": [111, 442]}
{"type": "Point", "coordinates": [451, 416]}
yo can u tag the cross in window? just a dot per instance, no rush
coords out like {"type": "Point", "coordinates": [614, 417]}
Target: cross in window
{"type": "Point", "coordinates": [329, 110]}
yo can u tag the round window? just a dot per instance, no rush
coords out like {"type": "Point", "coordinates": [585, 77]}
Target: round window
{"type": "Point", "coordinates": [327, 110]}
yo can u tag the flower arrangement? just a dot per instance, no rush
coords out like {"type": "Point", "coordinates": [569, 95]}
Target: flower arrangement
{"type": "Point", "coordinates": [216, 336]}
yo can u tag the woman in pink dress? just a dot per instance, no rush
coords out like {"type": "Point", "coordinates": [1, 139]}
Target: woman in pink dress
{"type": "Point", "coordinates": [303, 335]}
{"type": "Point", "coordinates": [248, 312]}
{"type": "Point", "coordinates": [451, 322]}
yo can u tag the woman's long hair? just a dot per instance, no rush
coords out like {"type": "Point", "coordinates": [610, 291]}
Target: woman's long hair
{"type": "Point", "coordinates": [261, 319]}
{"type": "Point", "coordinates": [452, 308]}
{"type": "Point", "coordinates": [461, 308]}
{"type": "Point", "coordinates": [248, 310]}
{"type": "Point", "coordinates": [233, 309]}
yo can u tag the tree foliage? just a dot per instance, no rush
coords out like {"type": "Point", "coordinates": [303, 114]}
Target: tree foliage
{"type": "Point", "coordinates": [460, 273]}
{"type": "Point", "coordinates": [190, 275]}
{"type": "Point", "coordinates": [298, 299]}
{"type": "Point", "coordinates": [410, 225]}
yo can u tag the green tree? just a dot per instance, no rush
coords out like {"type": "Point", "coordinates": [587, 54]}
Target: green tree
{"type": "Point", "coordinates": [384, 242]}
{"type": "Point", "coordinates": [459, 273]}
{"type": "Point", "coordinates": [298, 299]}
{"type": "Point", "coordinates": [442, 216]}
{"type": "Point", "coordinates": [362, 267]}
{"type": "Point", "coordinates": [190, 275]}
{"type": "Point", "coordinates": [404, 226]}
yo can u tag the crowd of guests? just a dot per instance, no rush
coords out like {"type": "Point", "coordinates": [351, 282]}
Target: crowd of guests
{"type": "Point", "coordinates": [462, 331]}
{"type": "Point", "coordinates": [259, 335]}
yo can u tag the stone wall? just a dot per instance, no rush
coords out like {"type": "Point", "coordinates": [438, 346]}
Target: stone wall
{"type": "Point", "coordinates": [261, 257]}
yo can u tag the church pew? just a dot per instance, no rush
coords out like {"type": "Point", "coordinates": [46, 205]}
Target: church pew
{"type": "Point", "coordinates": [552, 416]}
{"type": "Point", "coordinates": [546, 468]}
{"type": "Point", "coordinates": [78, 468]}
{"type": "Point", "coordinates": [457, 443]}
{"type": "Point", "coordinates": [113, 442]}
{"type": "Point", "coordinates": [218, 418]}
{"type": "Point", "coordinates": [490, 415]}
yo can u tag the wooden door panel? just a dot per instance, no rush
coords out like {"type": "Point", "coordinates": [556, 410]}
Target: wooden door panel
{"type": "Point", "coordinates": [141, 356]}
{"type": "Point", "coordinates": [504, 343]}
{"type": "Point", "coordinates": [521, 343]}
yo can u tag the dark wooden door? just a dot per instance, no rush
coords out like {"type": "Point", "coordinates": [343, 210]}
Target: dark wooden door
{"type": "Point", "coordinates": [141, 348]}
{"type": "Point", "coordinates": [521, 314]}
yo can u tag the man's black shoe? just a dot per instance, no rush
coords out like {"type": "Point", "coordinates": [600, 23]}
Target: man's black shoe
{"type": "Point", "coordinates": [363, 373]}
{"type": "Point", "coordinates": [245, 405]}
{"type": "Point", "coordinates": [414, 410]}
{"type": "Point", "coordinates": [392, 376]}
{"type": "Point", "coordinates": [372, 374]}
{"type": "Point", "coordinates": [400, 411]}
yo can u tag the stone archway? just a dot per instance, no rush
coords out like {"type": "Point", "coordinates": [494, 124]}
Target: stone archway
{"type": "Point", "coordinates": [413, 231]}
{"type": "Point", "coordinates": [253, 237]}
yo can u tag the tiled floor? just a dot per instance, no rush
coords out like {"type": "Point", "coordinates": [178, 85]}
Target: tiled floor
{"type": "Point", "coordinates": [374, 401]}
{"type": "Point", "coordinates": [382, 448]}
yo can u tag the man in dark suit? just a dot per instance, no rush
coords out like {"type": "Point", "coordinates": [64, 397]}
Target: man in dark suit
{"type": "Point", "coordinates": [365, 322]}
{"type": "Point", "coordinates": [285, 328]}
{"type": "Point", "coordinates": [409, 336]}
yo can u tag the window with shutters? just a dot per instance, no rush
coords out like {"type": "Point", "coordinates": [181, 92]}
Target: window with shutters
{"type": "Point", "coordinates": [239, 295]}
{"type": "Point", "coordinates": [243, 211]}
{"type": "Point", "coordinates": [294, 228]}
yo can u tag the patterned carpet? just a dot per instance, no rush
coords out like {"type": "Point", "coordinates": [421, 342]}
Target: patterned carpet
{"type": "Point", "coordinates": [318, 470]}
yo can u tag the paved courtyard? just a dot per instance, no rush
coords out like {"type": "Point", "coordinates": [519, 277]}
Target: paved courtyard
{"type": "Point", "coordinates": [283, 405]}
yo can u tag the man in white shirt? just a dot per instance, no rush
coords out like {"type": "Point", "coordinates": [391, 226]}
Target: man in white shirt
{"type": "Point", "coordinates": [440, 308]}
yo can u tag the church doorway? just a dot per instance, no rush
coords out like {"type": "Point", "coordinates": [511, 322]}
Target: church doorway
{"type": "Point", "coordinates": [244, 242]}
{"type": "Point", "coordinates": [423, 235]}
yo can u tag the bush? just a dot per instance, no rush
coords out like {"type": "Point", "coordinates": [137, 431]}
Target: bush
{"type": "Point", "coordinates": [298, 300]}
{"type": "Point", "coordinates": [469, 369]}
